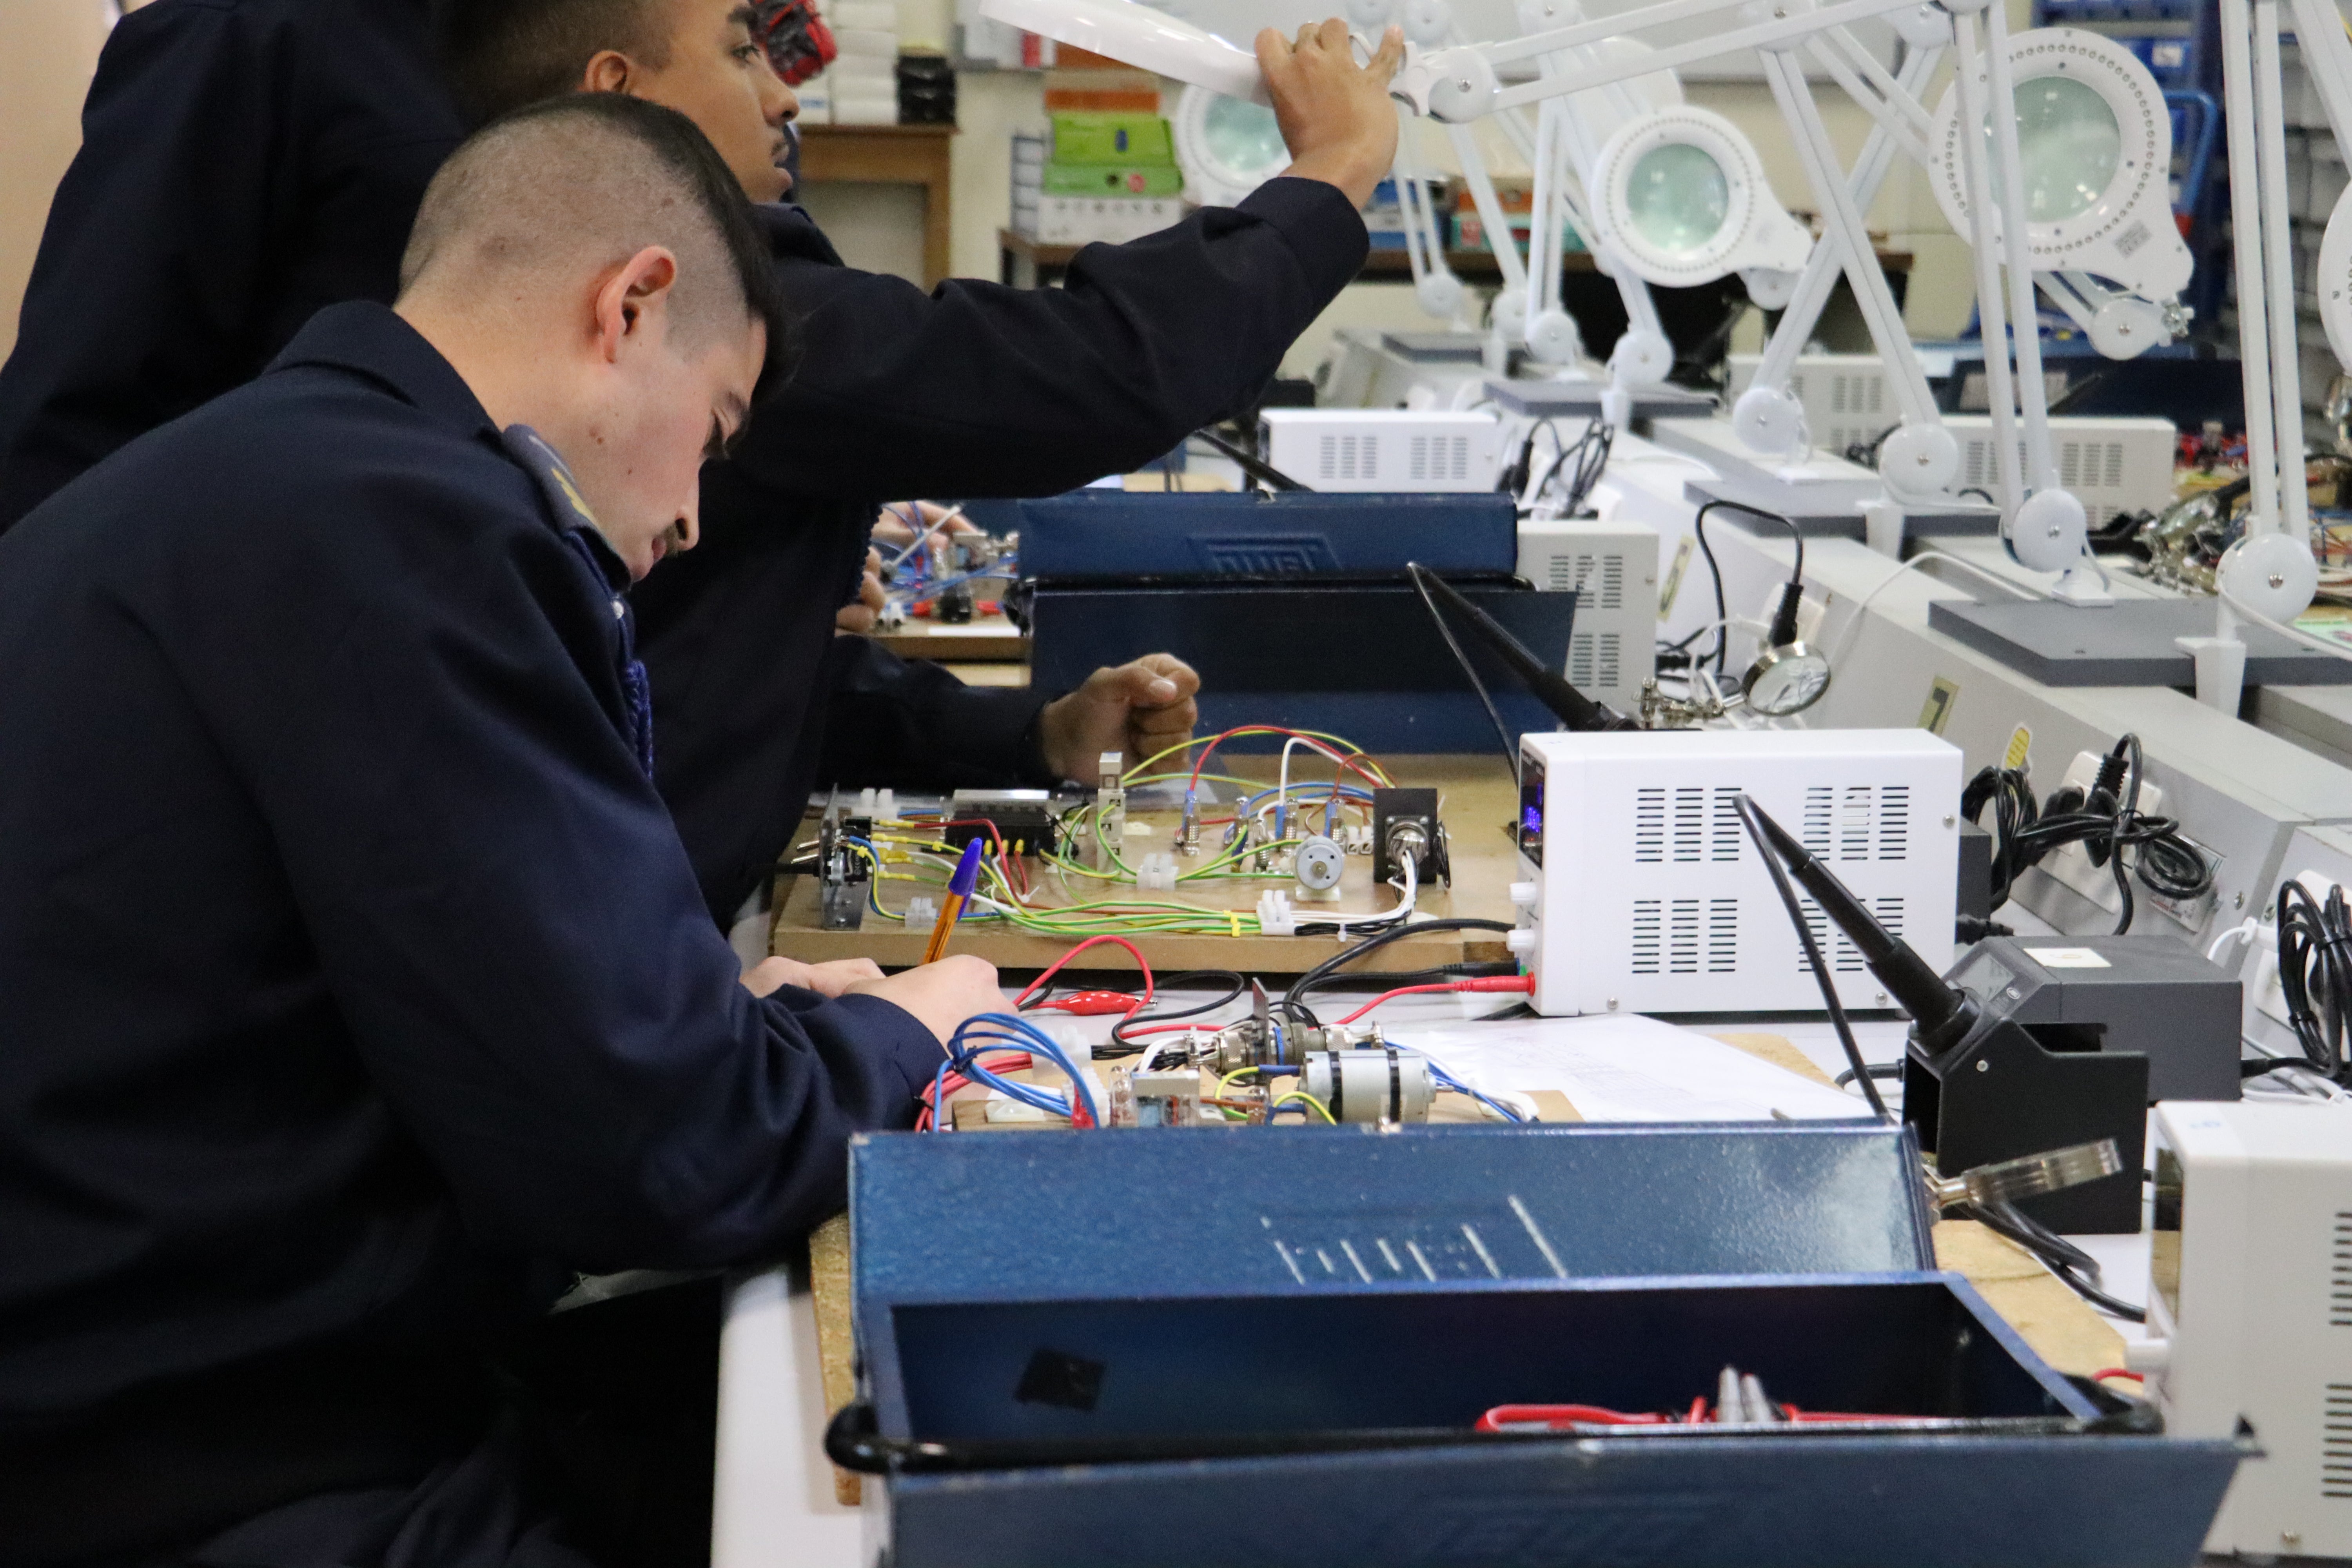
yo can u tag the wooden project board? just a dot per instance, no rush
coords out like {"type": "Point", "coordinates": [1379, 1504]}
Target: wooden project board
{"type": "Point", "coordinates": [1477, 803]}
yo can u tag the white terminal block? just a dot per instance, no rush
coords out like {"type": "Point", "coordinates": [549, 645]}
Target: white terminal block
{"type": "Point", "coordinates": [2250, 1303]}
{"type": "Point", "coordinates": [1648, 896]}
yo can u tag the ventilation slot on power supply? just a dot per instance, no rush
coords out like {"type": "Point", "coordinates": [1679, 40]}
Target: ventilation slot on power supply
{"type": "Point", "coordinates": [1723, 936]}
{"type": "Point", "coordinates": [1646, 922]}
{"type": "Point", "coordinates": [2339, 1276]}
{"type": "Point", "coordinates": [1728, 831]}
{"type": "Point", "coordinates": [1682, 938]}
{"type": "Point", "coordinates": [1819, 800]}
{"type": "Point", "coordinates": [1592, 660]}
{"type": "Point", "coordinates": [1436, 458]}
{"type": "Point", "coordinates": [1600, 578]}
{"type": "Point", "coordinates": [1649, 826]}
{"type": "Point", "coordinates": [1844, 958]}
{"type": "Point", "coordinates": [2336, 1442]}
{"type": "Point", "coordinates": [1819, 924]}
{"type": "Point", "coordinates": [1893, 822]}
{"type": "Point", "coordinates": [1855, 823]}
{"type": "Point", "coordinates": [1690, 825]}
{"type": "Point", "coordinates": [1348, 457]}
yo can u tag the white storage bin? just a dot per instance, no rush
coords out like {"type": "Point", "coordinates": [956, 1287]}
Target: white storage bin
{"type": "Point", "coordinates": [1082, 220]}
{"type": "Point", "coordinates": [878, 15]}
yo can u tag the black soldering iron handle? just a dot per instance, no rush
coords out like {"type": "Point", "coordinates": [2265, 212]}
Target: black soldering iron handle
{"type": "Point", "coordinates": [1570, 706]}
{"type": "Point", "coordinates": [1941, 1014]}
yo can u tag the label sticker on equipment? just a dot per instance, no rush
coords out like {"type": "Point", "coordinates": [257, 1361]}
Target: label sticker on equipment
{"type": "Point", "coordinates": [2020, 741]}
{"type": "Point", "coordinates": [2067, 958]}
{"type": "Point", "coordinates": [1674, 583]}
{"type": "Point", "coordinates": [1938, 710]}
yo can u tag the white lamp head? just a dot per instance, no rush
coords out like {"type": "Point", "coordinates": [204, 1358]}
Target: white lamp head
{"type": "Point", "coordinates": [1680, 194]}
{"type": "Point", "coordinates": [2334, 281]}
{"type": "Point", "coordinates": [1228, 146]}
{"type": "Point", "coordinates": [2095, 141]}
{"type": "Point", "coordinates": [1137, 36]}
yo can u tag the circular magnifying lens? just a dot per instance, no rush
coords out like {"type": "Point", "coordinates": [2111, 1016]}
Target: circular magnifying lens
{"type": "Point", "coordinates": [1676, 197]}
{"type": "Point", "coordinates": [1786, 680]}
{"type": "Point", "coordinates": [2069, 144]}
{"type": "Point", "coordinates": [1242, 137]}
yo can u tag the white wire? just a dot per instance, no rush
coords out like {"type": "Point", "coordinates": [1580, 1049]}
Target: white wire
{"type": "Point", "coordinates": [946, 518]}
{"type": "Point", "coordinates": [1397, 916]}
{"type": "Point", "coordinates": [2245, 930]}
{"type": "Point", "coordinates": [1861, 607]}
{"type": "Point", "coordinates": [2297, 633]}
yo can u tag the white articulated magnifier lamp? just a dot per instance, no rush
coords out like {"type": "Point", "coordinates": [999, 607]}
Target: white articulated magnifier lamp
{"type": "Point", "coordinates": [1227, 146]}
{"type": "Point", "coordinates": [2044, 525]}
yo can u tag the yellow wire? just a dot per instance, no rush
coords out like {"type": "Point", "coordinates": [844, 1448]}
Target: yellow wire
{"type": "Point", "coordinates": [1320, 1108]}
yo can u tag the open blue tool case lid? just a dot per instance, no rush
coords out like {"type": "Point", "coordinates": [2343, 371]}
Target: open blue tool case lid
{"type": "Point", "coordinates": [1012, 1216]}
{"type": "Point", "coordinates": [1171, 1348]}
{"type": "Point", "coordinates": [1117, 534]}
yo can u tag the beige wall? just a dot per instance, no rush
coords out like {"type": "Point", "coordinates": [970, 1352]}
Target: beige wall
{"type": "Point", "coordinates": [48, 50]}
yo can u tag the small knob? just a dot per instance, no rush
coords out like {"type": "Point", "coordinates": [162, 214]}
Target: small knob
{"type": "Point", "coordinates": [1522, 941]}
{"type": "Point", "coordinates": [1523, 895]}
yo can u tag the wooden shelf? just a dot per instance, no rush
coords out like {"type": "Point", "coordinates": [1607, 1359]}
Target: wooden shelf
{"type": "Point", "coordinates": [888, 155]}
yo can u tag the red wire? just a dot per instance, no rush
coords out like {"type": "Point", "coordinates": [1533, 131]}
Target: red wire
{"type": "Point", "coordinates": [1133, 951]}
{"type": "Point", "coordinates": [1489, 983]}
{"type": "Point", "coordinates": [1010, 1061]}
{"type": "Point", "coordinates": [2102, 1375]}
{"type": "Point", "coordinates": [1016, 877]}
{"type": "Point", "coordinates": [1345, 761]}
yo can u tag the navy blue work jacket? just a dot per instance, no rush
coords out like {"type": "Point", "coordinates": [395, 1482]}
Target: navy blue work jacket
{"type": "Point", "coordinates": [245, 161]}
{"type": "Point", "coordinates": [354, 981]}
{"type": "Point", "coordinates": [972, 389]}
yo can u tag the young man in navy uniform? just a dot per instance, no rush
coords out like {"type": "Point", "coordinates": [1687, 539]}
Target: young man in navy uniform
{"type": "Point", "coordinates": [221, 135]}
{"type": "Point", "coordinates": [974, 389]}
{"type": "Point", "coordinates": [355, 986]}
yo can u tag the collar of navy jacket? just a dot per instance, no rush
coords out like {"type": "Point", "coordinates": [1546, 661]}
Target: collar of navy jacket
{"type": "Point", "coordinates": [380, 343]}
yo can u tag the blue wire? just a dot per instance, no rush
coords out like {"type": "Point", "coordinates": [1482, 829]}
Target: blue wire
{"type": "Point", "coordinates": [1447, 1080]}
{"type": "Point", "coordinates": [1005, 568]}
{"type": "Point", "coordinates": [987, 1031]}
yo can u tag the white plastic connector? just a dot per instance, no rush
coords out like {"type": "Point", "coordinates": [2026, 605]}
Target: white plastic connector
{"type": "Point", "coordinates": [1157, 873]}
{"type": "Point", "coordinates": [923, 912]}
{"type": "Point", "coordinates": [1275, 917]}
{"type": "Point", "coordinates": [885, 803]}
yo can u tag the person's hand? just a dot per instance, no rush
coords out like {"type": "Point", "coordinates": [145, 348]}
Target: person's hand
{"type": "Point", "coordinates": [860, 613]}
{"type": "Point", "coordinates": [835, 977]}
{"type": "Point", "coordinates": [1335, 115]}
{"type": "Point", "coordinates": [941, 995]}
{"type": "Point", "coordinates": [1138, 709]}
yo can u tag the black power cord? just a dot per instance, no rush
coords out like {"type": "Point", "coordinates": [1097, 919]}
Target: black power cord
{"type": "Point", "coordinates": [2105, 820]}
{"type": "Point", "coordinates": [2077, 1267]}
{"type": "Point", "coordinates": [1235, 982]}
{"type": "Point", "coordinates": [1788, 595]}
{"type": "Point", "coordinates": [2315, 962]}
{"type": "Point", "coordinates": [1293, 1001]}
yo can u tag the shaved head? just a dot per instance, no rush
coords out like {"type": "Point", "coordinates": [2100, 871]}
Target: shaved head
{"type": "Point", "coordinates": [571, 186]}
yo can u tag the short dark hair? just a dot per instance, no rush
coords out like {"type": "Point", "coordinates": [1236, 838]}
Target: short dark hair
{"type": "Point", "coordinates": [500, 54]}
{"type": "Point", "coordinates": [556, 172]}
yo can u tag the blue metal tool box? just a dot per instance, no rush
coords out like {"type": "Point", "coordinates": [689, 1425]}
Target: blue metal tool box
{"type": "Point", "coordinates": [1207, 1347]}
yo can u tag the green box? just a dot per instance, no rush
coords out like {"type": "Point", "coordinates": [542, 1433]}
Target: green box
{"type": "Point", "coordinates": [1113, 180]}
{"type": "Point", "coordinates": [1101, 137]}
